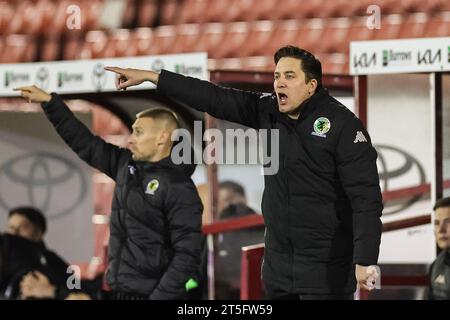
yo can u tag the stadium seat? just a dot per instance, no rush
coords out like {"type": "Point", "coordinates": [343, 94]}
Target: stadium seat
{"type": "Point", "coordinates": [439, 26]}
{"type": "Point", "coordinates": [260, 35]}
{"type": "Point", "coordinates": [260, 63]}
{"type": "Point", "coordinates": [390, 27]}
{"type": "Point", "coordinates": [6, 15]}
{"type": "Point", "coordinates": [72, 45]}
{"type": "Point", "coordinates": [336, 63]}
{"type": "Point", "coordinates": [192, 11]}
{"type": "Point", "coordinates": [187, 36]}
{"type": "Point", "coordinates": [236, 35]}
{"type": "Point", "coordinates": [310, 36]}
{"type": "Point", "coordinates": [50, 48]}
{"type": "Point", "coordinates": [163, 40]}
{"type": "Point", "coordinates": [128, 17]}
{"type": "Point", "coordinates": [358, 32]}
{"type": "Point", "coordinates": [211, 37]}
{"type": "Point", "coordinates": [147, 13]}
{"type": "Point", "coordinates": [142, 41]}
{"type": "Point", "coordinates": [334, 36]}
{"type": "Point", "coordinates": [262, 10]}
{"type": "Point", "coordinates": [119, 44]}
{"type": "Point", "coordinates": [170, 9]}
{"type": "Point", "coordinates": [94, 45]}
{"type": "Point", "coordinates": [18, 48]}
{"type": "Point", "coordinates": [285, 33]}
{"type": "Point", "coordinates": [414, 26]}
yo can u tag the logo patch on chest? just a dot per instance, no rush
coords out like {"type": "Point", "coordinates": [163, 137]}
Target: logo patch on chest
{"type": "Point", "coordinates": [152, 186]}
{"type": "Point", "coordinates": [321, 126]}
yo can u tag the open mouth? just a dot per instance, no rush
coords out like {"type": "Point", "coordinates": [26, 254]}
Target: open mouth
{"type": "Point", "coordinates": [282, 97]}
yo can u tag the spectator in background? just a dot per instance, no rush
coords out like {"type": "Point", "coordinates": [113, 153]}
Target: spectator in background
{"type": "Point", "coordinates": [25, 256]}
{"type": "Point", "coordinates": [232, 203]}
{"type": "Point", "coordinates": [439, 277]}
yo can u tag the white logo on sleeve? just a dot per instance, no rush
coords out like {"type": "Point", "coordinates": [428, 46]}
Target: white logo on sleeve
{"type": "Point", "coordinates": [360, 137]}
{"type": "Point", "coordinates": [440, 279]}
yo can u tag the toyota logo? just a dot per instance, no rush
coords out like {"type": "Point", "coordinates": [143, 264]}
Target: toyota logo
{"type": "Point", "coordinates": [41, 179]}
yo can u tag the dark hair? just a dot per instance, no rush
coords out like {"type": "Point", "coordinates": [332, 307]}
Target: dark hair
{"type": "Point", "coordinates": [33, 215]}
{"type": "Point", "coordinates": [160, 113]}
{"type": "Point", "coordinates": [444, 202]}
{"type": "Point", "coordinates": [233, 186]}
{"type": "Point", "coordinates": [310, 65]}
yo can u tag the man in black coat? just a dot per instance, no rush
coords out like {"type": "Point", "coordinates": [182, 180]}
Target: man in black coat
{"type": "Point", "coordinates": [322, 206]}
{"type": "Point", "coordinates": [155, 230]}
{"type": "Point", "coordinates": [25, 255]}
{"type": "Point", "coordinates": [439, 275]}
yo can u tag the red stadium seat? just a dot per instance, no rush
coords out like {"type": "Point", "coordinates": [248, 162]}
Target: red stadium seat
{"type": "Point", "coordinates": [390, 27]}
{"type": "Point", "coordinates": [311, 35]}
{"type": "Point", "coordinates": [336, 63]}
{"type": "Point", "coordinates": [163, 40]}
{"type": "Point", "coordinates": [50, 48]}
{"type": "Point", "coordinates": [334, 36]}
{"type": "Point", "coordinates": [119, 44]}
{"type": "Point", "coordinates": [414, 26]}
{"type": "Point", "coordinates": [18, 48]}
{"type": "Point", "coordinates": [48, 10]}
{"type": "Point", "coordinates": [358, 32]}
{"type": "Point", "coordinates": [142, 41]}
{"type": "Point", "coordinates": [187, 36]}
{"type": "Point", "coordinates": [286, 33]}
{"type": "Point", "coordinates": [211, 37]}
{"type": "Point", "coordinates": [6, 15]}
{"type": "Point", "coordinates": [262, 10]}
{"type": "Point", "coordinates": [261, 63]}
{"type": "Point", "coordinates": [439, 26]}
{"type": "Point", "coordinates": [236, 36]}
{"type": "Point", "coordinates": [169, 11]}
{"type": "Point", "coordinates": [147, 13]}
{"type": "Point", "coordinates": [192, 11]}
{"type": "Point", "coordinates": [72, 47]}
{"type": "Point", "coordinates": [129, 13]}
{"type": "Point", "coordinates": [260, 35]}
{"type": "Point", "coordinates": [94, 45]}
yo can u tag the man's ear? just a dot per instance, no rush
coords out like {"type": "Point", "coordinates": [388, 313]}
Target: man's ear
{"type": "Point", "coordinates": [164, 137]}
{"type": "Point", "coordinates": [312, 86]}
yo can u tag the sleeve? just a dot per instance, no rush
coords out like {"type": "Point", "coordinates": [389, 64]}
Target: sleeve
{"type": "Point", "coordinates": [184, 219]}
{"type": "Point", "coordinates": [90, 148]}
{"type": "Point", "coordinates": [357, 170]}
{"type": "Point", "coordinates": [223, 103]}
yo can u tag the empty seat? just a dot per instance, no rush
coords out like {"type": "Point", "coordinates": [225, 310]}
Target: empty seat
{"type": "Point", "coordinates": [148, 11]}
{"type": "Point", "coordinates": [285, 33]}
{"type": "Point", "coordinates": [359, 31]}
{"type": "Point", "coordinates": [192, 11]}
{"type": "Point", "coordinates": [236, 35]}
{"type": "Point", "coordinates": [6, 15]}
{"type": "Point", "coordinates": [163, 40]}
{"type": "Point", "coordinates": [260, 35]}
{"type": "Point", "coordinates": [18, 48]}
{"type": "Point", "coordinates": [72, 46]}
{"type": "Point", "coordinates": [119, 44]}
{"type": "Point", "coordinates": [261, 63]}
{"type": "Point", "coordinates": [390, 27]}
{"type": "Point", "coordinates": [311, 34]}
{"type": "Point", "coordinates": [439, 26]}
{"type": "Point", "coordinates": [212, 35]}
{"type": "Point", "coordinates": [94, 45]}
{"type": "Point", "coordinates": [170, 9]}
{"type": "Point", "coordinates": [262, 10]}
{"type": "Point", "coordinates": [51, 48]}
{"type": "Point", "coordinates": [414, 26]}
{"type": "Point", "coordinates": [142, 41]}
{"type": "Point", "coordinates": [129, 14]}
{"type": "Point", "coordinates": [187, 36]}
{"type": "Point", "coordinates": [334, 36]}
{"type": "Point", "coordinates": [336, 63]}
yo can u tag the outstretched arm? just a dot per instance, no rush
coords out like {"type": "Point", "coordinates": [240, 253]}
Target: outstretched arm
{"type": "Point", "coordinates": [223, 103]}
{"type": "Point", "coordinates": [92, 149]}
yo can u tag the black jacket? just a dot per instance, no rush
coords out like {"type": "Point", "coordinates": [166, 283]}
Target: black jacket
{"type": "Point", "coordinates": [322, 209]}
{"type": "Point", "coordinates": [19, 256]}
{"type": "Point", "coordinates": [155, 229]}
{"type": "Point", "coordinates": [439, 277]}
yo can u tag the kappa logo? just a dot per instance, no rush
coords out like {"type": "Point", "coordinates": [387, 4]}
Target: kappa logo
{"type": "Point", "coordinates": [360, 137]}
{"type": "Point", "coordinates": [440, 279]}
{"type": "Point", "coordinates": [152, 186]}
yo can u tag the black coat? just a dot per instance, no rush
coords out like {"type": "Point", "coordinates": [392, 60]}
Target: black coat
{"type": "Point", "coordinates": [19, 256]}
{"type": "Point", "coordinates": [155, 230]}
{"type": "Point", "coordinates": [322, 209]}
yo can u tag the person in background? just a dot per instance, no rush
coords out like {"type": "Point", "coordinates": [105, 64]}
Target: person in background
{"type": "Point", "coordinates": [439, 276]}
